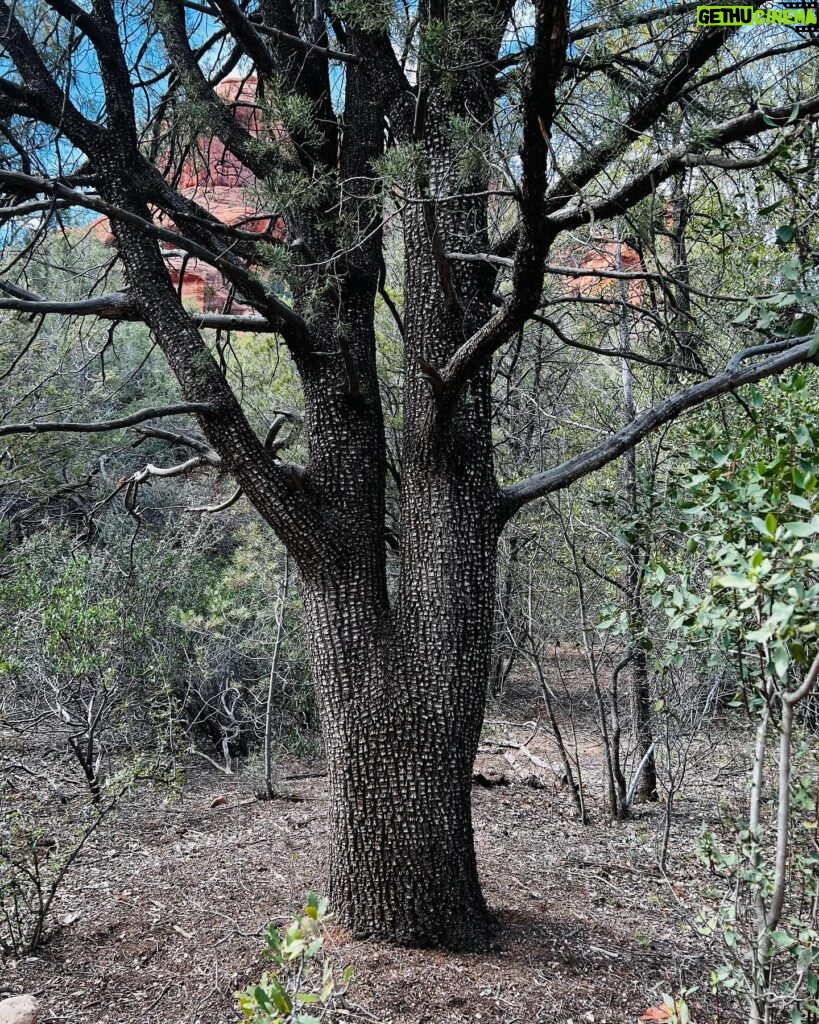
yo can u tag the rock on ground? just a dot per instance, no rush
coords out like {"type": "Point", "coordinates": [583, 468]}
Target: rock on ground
{"type": "Point", "coordinates": [19, 1010]}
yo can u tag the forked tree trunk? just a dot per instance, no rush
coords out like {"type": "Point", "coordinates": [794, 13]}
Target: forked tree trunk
{"type": "Point", "coordinates": [402, 701]}
{"type": "Point", "coordinates": [402, 684]}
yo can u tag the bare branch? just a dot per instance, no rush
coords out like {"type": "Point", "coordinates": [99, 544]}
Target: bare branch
{"type": "Point", "coordinates": [533, 239]}
{"type": "Point", "coordinates": [517, 495]}
{"type": "Point", "coordinates": [285, 320]}
{"type": "Point", "coordinates": [594, 28]}
{"type": "Point", "coordinates": [121, 306]}
{"type": "Point", "coordinates": [194, 462]}
{"type": "Point", "coordinates": [736, 129]}
{"type": "Point", "coordinates": [100, 426]}
{"type": "Point", "coordinates": [219, 507]}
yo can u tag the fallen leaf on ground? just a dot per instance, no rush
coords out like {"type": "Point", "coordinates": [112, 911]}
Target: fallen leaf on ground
{"type": "Point", "coordinates": [656, 1013]}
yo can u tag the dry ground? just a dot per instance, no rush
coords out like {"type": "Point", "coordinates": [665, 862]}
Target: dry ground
{"type": "Point", "coordinates": [167, 904]}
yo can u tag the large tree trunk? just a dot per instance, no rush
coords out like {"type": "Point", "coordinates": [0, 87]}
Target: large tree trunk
{"type": "Point", "coordinates": [402, 698]}
{"type": "Point", "coordinates": [402, 692]}
{"type": "Point", "coordinates": [402, 685]}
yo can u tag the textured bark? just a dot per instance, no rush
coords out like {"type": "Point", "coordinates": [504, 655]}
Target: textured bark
{"type": "Point", "coordinates": [633, 554]}
{"type": "Point", "coordinates": [402, 860]}
{"type": "Point", "coordinates": [641, 725]}
{"type": "Point", "coordinates": [402, 688]}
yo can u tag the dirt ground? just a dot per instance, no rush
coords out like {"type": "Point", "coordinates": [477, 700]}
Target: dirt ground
{"type": "Point", "coordinates": [163, 914]}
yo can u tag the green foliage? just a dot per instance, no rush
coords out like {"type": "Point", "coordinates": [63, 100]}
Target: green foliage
{"type": "Point", "coordinates": [369, 15]}
{"type": "Point", "coordinates": [783, 967]}
{"type": "Point", "coordinates": [285, 188]}
{"type": "Point", "coordinates": [291, 111]}
{"type": "Point", "coordinates": [747, 589]}
{"type": "Point", "coordinates": [785, 313]}
{"type": "Point", "coordinates": [302, 975]}
{"type": "Point", "coordinates": [398, 164]}
{"type": "Point", "coordinates": [739, 586]}
{"type": "Point", "coordinates": [470, 145]}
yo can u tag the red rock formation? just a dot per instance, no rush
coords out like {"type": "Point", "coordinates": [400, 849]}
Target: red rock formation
{"type": "Point", "coordinates": [223, 186]}
{"type": "Point", "coordinates": [601, 254]}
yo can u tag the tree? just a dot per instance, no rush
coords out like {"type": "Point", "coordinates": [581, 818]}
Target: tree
{"type": "Point", "coordinates": [357, 109]}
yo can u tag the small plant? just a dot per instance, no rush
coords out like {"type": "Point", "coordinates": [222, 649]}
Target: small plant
{"type": "Point", "coordinates": [33, 867]}
{"type": "Point", "coordinates": [672, 1010]}
{"type": "Point", "coordinates": [302, 976]}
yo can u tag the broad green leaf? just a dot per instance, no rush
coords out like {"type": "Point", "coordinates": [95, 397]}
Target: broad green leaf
{"type": "Point", "coordinates": [744, 316]}
{"type": "Point", "coordinates": [733, 581]}
{"type": "Point", "coordinates": [802, 325]}
{"type": "Point", "coordinates": [801, 529]}
{"type": "Point", "coordinates": [262, 998]}
{"type": "Point", "coordinates": [781, 660]}
{"type": "Point", "coordinates": [281, 1000]}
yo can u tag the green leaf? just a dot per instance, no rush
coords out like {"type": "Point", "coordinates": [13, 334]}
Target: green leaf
{"type": "Point", "coordinates": [262, 998]}
{"type": "Point", "coordinates": [801, 529]}
{"type": "Point", "coordinates": [281, 1000]}
{"type": "Point", "coordinates": [785, 234]}
{"type": "Point", "coordinates": [733, 581]}
{"type": "Point", "coordinates": [744, 316]}
{"type": "Point", "coordinates": [814, 345]}
{"type": "Point", "coordinates": [770, 523]}
{"type": "Point", "coordinates": [781, 660]}
{"type": "Point", "coordinates": [802, 325]}
{"type": "Point", "coordinates": [765, 210]}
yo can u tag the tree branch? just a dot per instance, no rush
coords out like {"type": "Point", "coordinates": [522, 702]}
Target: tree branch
{"type": "Point", "coordinates": [283, 319]}
{"type": "Point", "coordinates": [517, 495]}
{"type": "Point", "coordinates": [666, 91]}
{"type": "Point", "coordinates": [737, 129]}
{"type": "Point", "coordinates": [259, 159]}
{"type": "Point", "coordinates": [533, 239]}
{"type": "Point", "coordinates": [596, 27]}
{"type": "Point", "coordinates": [100, 426]}
{"type": "Point", "coordinates": [121, 306]}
